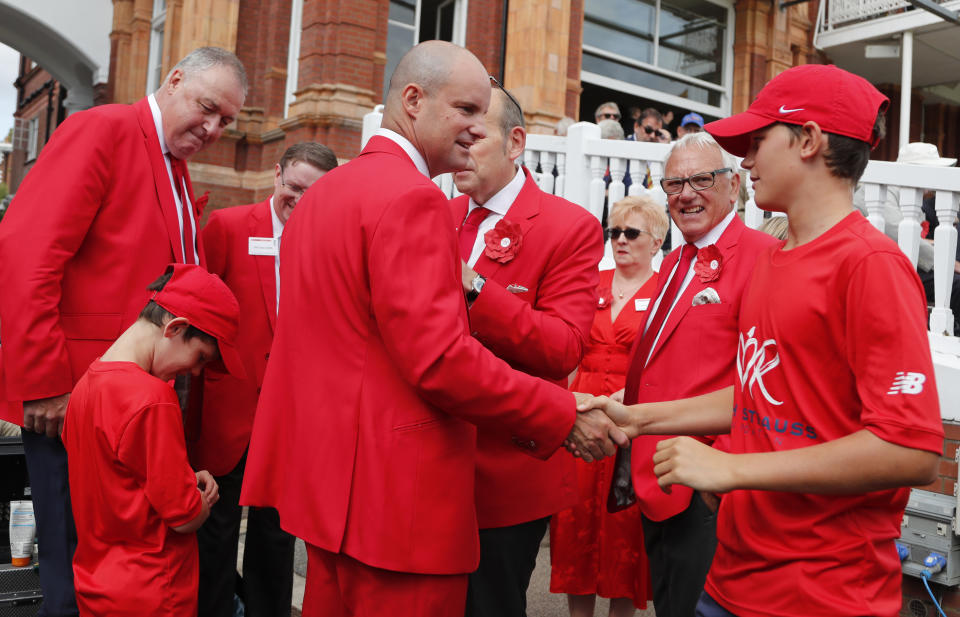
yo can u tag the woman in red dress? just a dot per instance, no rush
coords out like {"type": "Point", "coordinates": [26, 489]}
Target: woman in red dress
{"type": "Point", "coordinates": [592, 552]}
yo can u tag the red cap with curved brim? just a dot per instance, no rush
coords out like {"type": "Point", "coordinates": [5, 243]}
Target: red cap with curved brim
{"type": "Point", "coordinates": [837, 100]}
{"type": "Point", "coordinates": [209, 305]}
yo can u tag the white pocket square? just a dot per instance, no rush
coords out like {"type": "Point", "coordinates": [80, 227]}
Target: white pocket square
{"type": "Point", "coordinates": [707, 296]}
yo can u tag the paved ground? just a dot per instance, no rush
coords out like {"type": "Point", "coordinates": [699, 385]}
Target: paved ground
{"type": "Point", "coordinates": [540, 602]}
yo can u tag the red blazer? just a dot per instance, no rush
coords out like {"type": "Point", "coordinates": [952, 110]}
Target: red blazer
{"type": "Point", "coordinates": [229, 403]}
{"type": "Point", "coordinates": [92, 225]}
{"type": "Point", "coordinates": [696, 354]}
{"type": "Point", "coordinates": [364, 438]}
{"type": "Point", "coordinates": [543, 332]}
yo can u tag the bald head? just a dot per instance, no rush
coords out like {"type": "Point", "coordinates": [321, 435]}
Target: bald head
{"type": "Point", "coordinates": [429, 65]}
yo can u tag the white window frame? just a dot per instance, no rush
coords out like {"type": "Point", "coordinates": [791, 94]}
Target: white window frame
{"type": "Point", "coordinates": [155, 61]}
{"type": "Point", "coordinates": [725, 88]}
{"type": "Point", "coordinates": [293, 54]}
{"type": "Point", "coordinates": [33, 134]}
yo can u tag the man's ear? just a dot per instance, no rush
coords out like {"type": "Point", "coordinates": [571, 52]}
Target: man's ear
{"type": "Point", "coordinates": [516, 143]}
{"type": "Point", "coordinates": [175, 327]}
{"type": "Point", "coordinates": [174, 82]}
{"type": "Point", "coordinates": [411, 98]}
{"type": "Point", "coordinates": [813, 141]}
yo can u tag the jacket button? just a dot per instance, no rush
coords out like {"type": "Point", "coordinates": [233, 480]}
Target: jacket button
{"type": "Point", "coordinates": [532, 445]}
{"type": "Point", "coordinates": [258, 390]}
{"type": "Point", "coordinates": [267, 356]}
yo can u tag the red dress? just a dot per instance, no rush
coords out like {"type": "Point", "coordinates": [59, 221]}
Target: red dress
{"type": "Point", "coordinates": [591, 550]}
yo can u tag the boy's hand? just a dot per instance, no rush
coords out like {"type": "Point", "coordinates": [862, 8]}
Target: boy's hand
{"type": "Point", "coordinates": [208, 487]}
{"type": "Point", "coordinates": [689, 462]}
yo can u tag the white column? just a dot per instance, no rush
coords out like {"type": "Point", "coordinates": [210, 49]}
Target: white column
{"type": "Point", "coordinates": [906, 86]}
{"type": "Point", "coordinates": [293, 53]}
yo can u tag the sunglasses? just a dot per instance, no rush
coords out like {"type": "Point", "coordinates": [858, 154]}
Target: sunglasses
{"type": "Point", "coordinates": [610, 116]}
{"type": "Point", "coordinates": [507, 92]}
{"type": "Point", "coordinates": [649, 129]}
{"type": "Point", "coordinates": [630, 233]}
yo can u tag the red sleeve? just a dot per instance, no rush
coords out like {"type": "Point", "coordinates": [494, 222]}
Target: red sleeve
{"type": "Point", "coordinates": [152, 447]}
{"type": "Point", "coordinates": [214, 236]}
{"type": "Point", "coordinates": [418, 305]}
{"type": "Point", "coordinates": [546, 338]}
{"type": "Point", "coordinates": [42, 230]}
{"type": "Point", "coordinates": [889, 351]}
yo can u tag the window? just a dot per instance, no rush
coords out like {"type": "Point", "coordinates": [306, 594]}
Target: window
{"type": "Point", "coordinates": [33, 134]}
{"type": "Point", "coordinates": [293, 54]}
{"type": "Point", "coordinates": [155, 63]}
{"type": "Point", "coordinates": [414, 21]}
{"type": "Point", "coordinates": [675, 51]}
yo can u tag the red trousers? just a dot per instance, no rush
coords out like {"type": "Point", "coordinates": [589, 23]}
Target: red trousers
{"type": "Point", "coordinates": [340, 586]}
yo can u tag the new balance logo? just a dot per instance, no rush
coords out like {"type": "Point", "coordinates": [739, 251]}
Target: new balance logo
{"type": "Point", "coordinates": [907, 383]}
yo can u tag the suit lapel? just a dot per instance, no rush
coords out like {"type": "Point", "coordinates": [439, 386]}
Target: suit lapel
{"type": "Point", "coordinates": [261, 226]}
{"type": "Point", "coordinates": [522, 211]}
{"type": "Point", "coordinates": [161, 178]}
{"type": "Point", "coordinates": [727, 246]}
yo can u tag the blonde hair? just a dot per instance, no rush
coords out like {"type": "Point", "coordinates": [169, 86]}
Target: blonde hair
{"type": "Point", "coordinates": [653, 214]}
{"type": "Point", "coordinates": [776, 226]}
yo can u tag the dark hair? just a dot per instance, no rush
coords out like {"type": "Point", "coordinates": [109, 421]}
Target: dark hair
{"type": "Point", "coordinates": [310, 152]}
{"type": "Point", "coordinates": [650, 112]}
{"type": "Point", "coordinates": [159, 316]}
{"type": "Point", "coordinates": [846, 157]}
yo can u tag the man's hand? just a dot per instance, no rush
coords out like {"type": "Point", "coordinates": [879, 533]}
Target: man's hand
{"type": "Point", "coordinates": [617, 396]}
{"type": "Point", "coordinates": [209, 490]}
{"type": "Point", "coordinates": [45, 415]}
{"type": "Point", "coordinates": [689, 462]}
{"type": "Point", "coordinates": [467, 276]}
{"type": "Point", "coordinates": [620, 414]}
{"type": "Point", "coordinates": [594, 436]}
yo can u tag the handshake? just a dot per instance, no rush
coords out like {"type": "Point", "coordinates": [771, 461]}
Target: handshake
{"type": "Point", "coordinates": [602, 424]}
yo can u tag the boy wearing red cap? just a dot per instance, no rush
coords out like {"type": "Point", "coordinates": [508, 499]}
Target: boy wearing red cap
{"type": "Point", "coordinates": [835, 409]}
{"type": "Point", "coordinates": [136, 501]}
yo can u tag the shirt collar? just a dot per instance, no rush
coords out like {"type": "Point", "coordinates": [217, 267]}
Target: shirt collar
{"type": "Point", "coordinates": [504, 198]}
{"type": "Point", "coordinates": [412, 152]}
{"type": "Point", "coordinates": [714, 234]}
{"type": "Point", "coordinates": [277, 223]}
{"type": "Point", "coordinates": [158, 123]}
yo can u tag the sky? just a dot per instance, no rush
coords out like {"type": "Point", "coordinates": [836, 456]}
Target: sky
{"type": "Point", "coordinates": [9, 66]}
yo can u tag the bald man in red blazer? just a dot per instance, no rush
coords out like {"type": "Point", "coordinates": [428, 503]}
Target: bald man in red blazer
{"type": "Point", "coordinates": [365, 436]}
{"type": "Point", "coordinates": [534, 310]}
{"type": "Point", "coordinates": [241, 247]}
{"type": "Point", "coordinates": [93, 223]}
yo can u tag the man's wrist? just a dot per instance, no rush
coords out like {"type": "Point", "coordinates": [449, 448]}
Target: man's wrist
{"type": "Point", "coordinates": [476, 286]}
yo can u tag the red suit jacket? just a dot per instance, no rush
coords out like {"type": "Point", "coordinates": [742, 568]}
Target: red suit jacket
{"type": "Point", "coordinates": [696, 354]}
{"type": "Point", "coordinates": [92, 225]}
{"type": "Point", "coordinates": [542, 331]}
{"type": "Point", "coordinates": [230, 403]}
{"type": "Point", "coordinates": [364, 438]}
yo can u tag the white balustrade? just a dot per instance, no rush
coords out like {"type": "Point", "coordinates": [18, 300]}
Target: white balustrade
{"type": "Point", "coordinates": [616, 190]}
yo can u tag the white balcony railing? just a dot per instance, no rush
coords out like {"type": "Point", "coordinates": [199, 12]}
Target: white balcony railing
{"type": "Point", "coordinates": [574, 167]}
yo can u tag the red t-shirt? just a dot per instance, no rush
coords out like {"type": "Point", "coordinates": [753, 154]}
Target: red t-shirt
{"type": "Point", "coordinates": [833, 340]}
{"type": "Point", "coordinates": [130, 483]}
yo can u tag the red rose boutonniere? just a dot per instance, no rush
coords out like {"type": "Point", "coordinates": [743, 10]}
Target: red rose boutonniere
{"type": "Point", "coordinates": [201, 203]}
{"type": "Point", "coordinates": [605, 298]}
{"type": "Point", "coordinates": [709, 263]}
{"type": "Point", "coordinates": [503, 241]}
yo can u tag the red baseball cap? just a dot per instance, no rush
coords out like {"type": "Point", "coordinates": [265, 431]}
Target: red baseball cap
{"type": "Point", "coordinates": [839, 101]}
{"type": "Point", "coordinates": [209, 305]}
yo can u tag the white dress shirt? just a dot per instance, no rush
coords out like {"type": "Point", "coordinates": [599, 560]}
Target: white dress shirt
{"type": "Point", "coordinates": [408, 147]}
{"type": "Point", "coordinates": [277, 232]}
{"type": "Point", "coordinates": [498, 206]}
{"type": "Point", "coordinates": [158, 125]}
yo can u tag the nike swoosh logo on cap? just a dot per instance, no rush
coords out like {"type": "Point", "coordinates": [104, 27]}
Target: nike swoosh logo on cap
{"type": "Point", "coordinates": [789, 111]}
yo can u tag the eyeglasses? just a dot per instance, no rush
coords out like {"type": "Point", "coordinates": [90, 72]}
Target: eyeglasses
{"type": "Point", "coordinates": [630, 233]}
{"type": "Point", "coordinates": [698, 182]}
{"type": "Point", "coordinates": [293, 188]}
{"type": "Point", "coordinates": [609, 115]}
{"type": "Point", "coordinates": [509, 96]}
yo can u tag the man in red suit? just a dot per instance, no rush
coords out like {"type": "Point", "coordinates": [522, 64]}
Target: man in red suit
{"type": "Point", "coordinates": [688, 348]}
{"type": "Point", "coordinates": [105, 208]}
{"type": "Point", "coordinates": [364, 437]}
{"type": "Point", "coordinates": [242, 248]}
{"type": "Point", "coordinates": [532, 307]}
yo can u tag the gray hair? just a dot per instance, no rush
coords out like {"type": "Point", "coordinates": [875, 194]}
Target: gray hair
{"type": "Point", "coordinates": [205, 58]}
{"type": "Point", "coordinates": [610, 129]}
{"type": "Point", "coordinates": [615, 107]}
{"type": "Point", "coordinates": [563, 124]}
{"type": "Point", "coordinates": [702, 140]}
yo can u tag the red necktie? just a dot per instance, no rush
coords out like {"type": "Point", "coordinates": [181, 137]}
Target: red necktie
{"type": "Point", "coordinates": [179, 169]}
{"type": "Point", "coordinates": [621, 493]}
{"type": "Point", "coordinates": [468, 231]}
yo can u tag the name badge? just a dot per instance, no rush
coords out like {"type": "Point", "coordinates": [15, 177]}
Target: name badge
{"type": "Point", "coordinates": [641, 304]}
{"type": "Point", "coordinates": [262, 246]}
